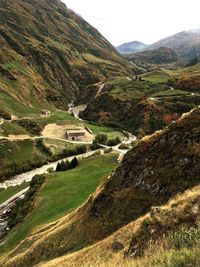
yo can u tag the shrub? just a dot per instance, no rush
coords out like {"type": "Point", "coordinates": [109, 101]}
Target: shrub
{"type": "Point", "coordinates": [81, 149]}
{"type": "Point", "coordinates": [113, 142]}
{"type": "Point", "coordinates": [39, 144]}
{"type": "Point", "coordinates": [185, 237]}
{"type": "Point", "coordinates": [101, 139]}
{"type": "Point", "coordinates": [95, 145]}
{"type": "Point", "coordinates": [108, 150]}
{"type": "Point", "coordinates": [74, 163]}
{"type": "Point", "coordinates": [124, 146]}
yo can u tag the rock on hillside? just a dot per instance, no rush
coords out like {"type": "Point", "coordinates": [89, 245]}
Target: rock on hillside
{"type": "Point", "coordinates": [48, 53]}
{"type": "Point", "coordinates": [154, 171]}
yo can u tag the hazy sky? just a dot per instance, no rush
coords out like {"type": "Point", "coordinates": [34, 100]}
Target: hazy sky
{"type": "Point", "coordinates": [143, 20]}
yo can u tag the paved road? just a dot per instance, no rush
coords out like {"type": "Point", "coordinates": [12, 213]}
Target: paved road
{"type": "Point", "coordinates": [4, 205]}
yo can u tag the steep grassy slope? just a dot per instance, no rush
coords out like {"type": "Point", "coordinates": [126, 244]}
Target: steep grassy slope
{"type": "Point", "coordinates": [48, 53]}
{"type": "Point", "coordinates": [158, 168]}
{"type": "Point", "coordinates": [166, 237]}
{"type": "Point", "coordinates": [61, 194]}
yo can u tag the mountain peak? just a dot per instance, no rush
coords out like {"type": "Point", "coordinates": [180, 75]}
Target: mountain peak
{"type": "Point", "coordinates": [131, 47]}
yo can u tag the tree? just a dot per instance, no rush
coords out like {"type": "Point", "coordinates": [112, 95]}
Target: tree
{"type": "Point", "coordinates": [101, 139]}
{"type": "Point", "coordinates": [74, 163]}
{"type": "Point", "coordinates": [63, 166]}
{"type": "Point", "coordinates": [94, 145]}
{"type": "Point", "coordinates": [118, 140]}
{"type": "Point", "coordinates": [81, 149]}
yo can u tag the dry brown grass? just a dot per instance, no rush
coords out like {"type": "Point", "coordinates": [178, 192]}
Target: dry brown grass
{"type": "Point", "coordinates": [101, 254]}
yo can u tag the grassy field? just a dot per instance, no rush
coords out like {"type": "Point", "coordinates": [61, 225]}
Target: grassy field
{"type": "Point", "coordinates": [8, 128]}
{"type": "Point", "coordinates": [18, 152]}
{"type": "Point", "coordinates": [171, 92]}
{"type": "Point", "coordinates": [62, 193]}
{"type": "Point", "coordinates": [7, 193]}
{"type": "Point", "coordinates": [57, 116]}
{"type": "Point", "coordinates": [14, 106]}
{"type": "Point", "coordinates": [96, 129]}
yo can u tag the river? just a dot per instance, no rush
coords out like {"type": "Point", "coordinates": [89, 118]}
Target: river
{"type": "Point", "coordinates": [27, 176]}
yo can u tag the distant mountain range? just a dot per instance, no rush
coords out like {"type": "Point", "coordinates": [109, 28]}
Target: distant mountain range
{"type": "Point", "coordinates": [132, 47]}
{"type": "Point", "coordinates": [185, 44]}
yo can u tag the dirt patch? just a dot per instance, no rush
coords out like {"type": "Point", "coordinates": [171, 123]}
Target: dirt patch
{"type": "Point", "coordinates": [59, 131]}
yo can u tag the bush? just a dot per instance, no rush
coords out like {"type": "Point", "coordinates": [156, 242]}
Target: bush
{"type": "Point", "coordinates": [39, 144]}
{"type": "Point", "coordinates": [95, 145]}
{"type": "Point", "coordinates": [184, 238]}
{"type": "Point", "coordinates": [124, 146]}
{"type": "Point", "coordinates": [113, 142]}
{"type": "Point", "coordinates": [81, 149]}
{"type": "Point", "coordinates": [108, 150]}
{"type": "Point", "coordinates": [101, 139]}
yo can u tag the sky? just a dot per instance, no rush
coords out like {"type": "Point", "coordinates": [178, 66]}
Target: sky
{"type": "Point", "coordinates": [147, 21]}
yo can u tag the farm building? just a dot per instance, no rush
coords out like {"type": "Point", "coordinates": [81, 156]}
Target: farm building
{"type": "Point", "coordinates": [75, 135]}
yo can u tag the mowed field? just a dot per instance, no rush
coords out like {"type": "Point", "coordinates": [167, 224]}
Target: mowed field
{"type": "Point", "coordinates": [62, 193]}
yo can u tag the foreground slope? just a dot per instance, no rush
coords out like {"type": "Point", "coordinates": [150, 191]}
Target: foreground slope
{"type": "Point", "coordinates": [158, 168]}
{"type": "Point", "coordinates": [48, 53]}
{"type": "Point", "coordinates": [151, 241]}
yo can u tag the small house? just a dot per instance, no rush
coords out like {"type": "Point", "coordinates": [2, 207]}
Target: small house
{"type": "Point", "coordinates": [75, 135]}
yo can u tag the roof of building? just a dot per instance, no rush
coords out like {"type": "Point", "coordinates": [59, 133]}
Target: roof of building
{"type": "Point", "coordinates": [75, 132]}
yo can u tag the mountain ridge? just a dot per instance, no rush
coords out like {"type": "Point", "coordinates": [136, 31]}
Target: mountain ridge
{"type": "Point", "coordinates": [131, 47]}
{"type": "Point", "coordinates": [186, 43]}
{"type": "Point", "coordinates": [51, 53]}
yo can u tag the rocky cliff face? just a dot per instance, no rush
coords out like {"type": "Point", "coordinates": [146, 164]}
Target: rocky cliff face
{"type": "Point", "coordinates": [158, 168]}
{"type": "Point", "coordinates": [48, 53]}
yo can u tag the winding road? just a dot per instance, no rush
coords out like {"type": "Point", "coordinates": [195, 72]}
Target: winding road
{"type": "Point", "coordinates": [26, 177]}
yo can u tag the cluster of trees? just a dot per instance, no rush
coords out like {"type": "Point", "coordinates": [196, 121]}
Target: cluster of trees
{"type": "Point", "coordinates": [191, 84]}
{"type": "Point", "coordinates": [9, 170]}
{"type": "Point", "coordinates": [73, 151]}
{"type": "Point", "coordinates": [66, 165]}
{"type": "Point", "coordinates": [25, 206]}
{"type": "Point", "coordinates": [103, 140]}
{"type": "Point", "coordinates": [39, 144]}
